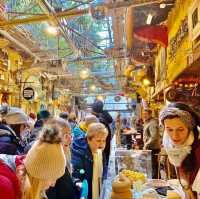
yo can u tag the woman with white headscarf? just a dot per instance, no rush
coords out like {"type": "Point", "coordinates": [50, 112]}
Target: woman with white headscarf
{"type": "Point", "coordinates": [182, 144]}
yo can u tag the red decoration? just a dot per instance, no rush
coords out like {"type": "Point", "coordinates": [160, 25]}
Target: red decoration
{"type": "Point", "coordinates": [121, 94]}
{"type": "Point", "coordinates": [153, 34]}
{"type": "Point", "coordinates": [4, 98]}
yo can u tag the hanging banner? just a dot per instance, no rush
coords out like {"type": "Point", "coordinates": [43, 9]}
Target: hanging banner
{"type": "Point", "coordinates": [152, 34]}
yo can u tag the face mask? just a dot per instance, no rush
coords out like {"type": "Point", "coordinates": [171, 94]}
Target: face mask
{"type": "Point", "coordinates": [178, 154]}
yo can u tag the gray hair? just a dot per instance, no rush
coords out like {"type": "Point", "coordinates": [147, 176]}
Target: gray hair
{"type": "Point", "coordinates": [62, 123]}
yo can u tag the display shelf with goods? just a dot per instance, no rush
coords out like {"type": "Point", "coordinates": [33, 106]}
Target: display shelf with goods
{"type": "Point", "coordinates": [136, 166]}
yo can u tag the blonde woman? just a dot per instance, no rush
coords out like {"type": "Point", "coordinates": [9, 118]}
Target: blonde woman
{"type": "Point", "coordinates": [64, 187]}
{"type": "Point", "coordinates": [42, 166]}
{"type": "Point", "coordinates": [87, 161]}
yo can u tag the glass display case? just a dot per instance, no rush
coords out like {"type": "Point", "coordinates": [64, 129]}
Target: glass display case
{"type": "Point", "coordinates": [135, 160]}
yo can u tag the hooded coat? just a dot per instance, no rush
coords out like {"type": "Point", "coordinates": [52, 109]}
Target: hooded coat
{"type": "Point", "coordinates": [82, 162]}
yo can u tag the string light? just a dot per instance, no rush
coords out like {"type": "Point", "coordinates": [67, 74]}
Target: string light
{"type": "Point", "coordinates": [84, 73]}
{"type": "Point", "coordinates": [191, 85]}
{"type": "Point", "coordinates": [93, 87]}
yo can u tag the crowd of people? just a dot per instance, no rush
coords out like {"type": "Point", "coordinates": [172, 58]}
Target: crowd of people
{"type": "Point", "coordinates": [42, 156]}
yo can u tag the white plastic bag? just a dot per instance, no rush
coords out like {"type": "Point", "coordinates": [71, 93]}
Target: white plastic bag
{"type": "Point", "coordinates": [196, 184]}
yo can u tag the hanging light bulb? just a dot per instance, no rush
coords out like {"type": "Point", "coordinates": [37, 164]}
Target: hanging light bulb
{"type": "Point", "coordinates": [52, 30]}
{"type": "Point", "coordinates": [93, 87]}
{"type": "Point", "coordinates": [100, 97]}
{"type": "Point", "coordinates": [149, 19]}
{"type": "Point", "coordinates": [84, 73]}
{"type": "Point", "coordinates": [163, 5]}
{"type": "Point", "coordinates": [146, 82]}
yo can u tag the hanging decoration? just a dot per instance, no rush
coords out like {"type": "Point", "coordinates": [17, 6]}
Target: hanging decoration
{"type": "Point", "coordinates": [153, 34]}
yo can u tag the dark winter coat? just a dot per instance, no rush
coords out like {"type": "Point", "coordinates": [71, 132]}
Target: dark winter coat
{"type": "Point", "coordinates": [64, 188]}
{"type": "Point", "coordinates": [106, 119]}
{"type": "Point", "coordinates": [82, 162]}
{"type": "Point", "coordinates": [9, 142]}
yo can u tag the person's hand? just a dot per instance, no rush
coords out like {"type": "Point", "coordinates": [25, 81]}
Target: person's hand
{"type": "Point", "coordinates": [79, 185]}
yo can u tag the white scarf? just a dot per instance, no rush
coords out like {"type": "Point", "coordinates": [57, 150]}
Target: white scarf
{"type": "Point", "coordinates": [177, 153]}
{"type": "Point", "coordinates": [97, 174]}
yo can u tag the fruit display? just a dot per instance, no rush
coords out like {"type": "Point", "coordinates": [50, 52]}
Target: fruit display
{"type": "Point", "coordinates": [133, 176]}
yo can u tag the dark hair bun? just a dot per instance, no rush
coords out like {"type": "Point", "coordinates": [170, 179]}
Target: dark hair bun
{"type": "Point", "coordinates": [50, 134]}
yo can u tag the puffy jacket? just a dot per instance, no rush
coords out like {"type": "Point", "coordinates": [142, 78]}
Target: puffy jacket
{"type": "Point", "coordinates": [77, 132]}
{"type": "Point", "coordinates": [8, 140]}
{"type": "Point", "coordinates": [82, 160]}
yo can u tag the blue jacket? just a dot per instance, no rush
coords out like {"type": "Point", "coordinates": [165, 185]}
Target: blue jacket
{"type": "Point", "coordinates": [77, 132]}
{"type": "Point", "coordinates": [82, 160]}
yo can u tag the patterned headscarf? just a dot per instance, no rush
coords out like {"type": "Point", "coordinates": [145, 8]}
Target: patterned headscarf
{"type": "Point", "coordinates": [184, 116]}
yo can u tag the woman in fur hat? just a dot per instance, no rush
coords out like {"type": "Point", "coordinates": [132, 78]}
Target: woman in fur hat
{"type": "Point", "coordinates": [182, 144]}
{"type": "Point", "coordinates": [42, 166]}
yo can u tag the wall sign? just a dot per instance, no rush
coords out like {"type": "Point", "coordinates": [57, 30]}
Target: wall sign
{"type": "Point", "coordinates": [28, 93]}
{"type": "Point", "coordinates": [176, 41]}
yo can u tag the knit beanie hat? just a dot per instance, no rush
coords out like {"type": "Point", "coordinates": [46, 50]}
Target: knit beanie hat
{"type": "Point", "coordinates": [97, 107]}
{"type": "Point", "coordinates": [15, 116]}
{"type": "Point", "coordinates": [44, 114]}
{"type": "Point", "coordinates": [46, 160]}
{"type": "Point", "coordinates": [183, 115]}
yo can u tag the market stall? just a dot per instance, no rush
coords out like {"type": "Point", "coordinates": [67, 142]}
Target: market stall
{"type": "Point", "coordinates": [136, 166]}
